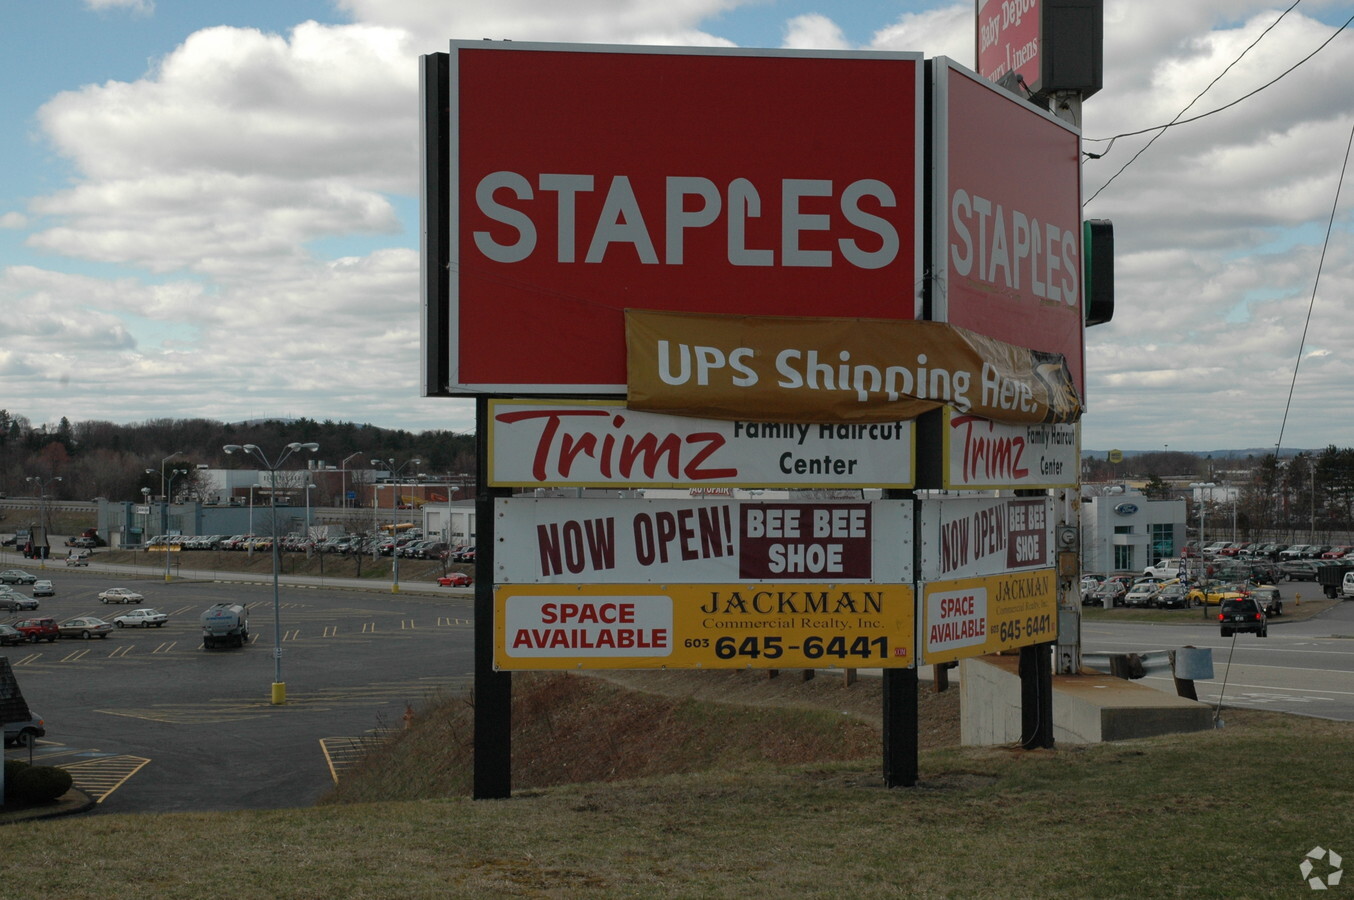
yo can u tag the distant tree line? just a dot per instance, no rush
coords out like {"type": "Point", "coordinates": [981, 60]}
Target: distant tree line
{"type": "Point", "coordinates": [1305, 493]}
{"type": "Point", "coordinates": [104, 459]}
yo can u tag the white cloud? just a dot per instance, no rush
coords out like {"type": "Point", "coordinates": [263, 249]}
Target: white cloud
{"type": "Point", "coordinates": [140, 7]}
{"type": "Point", "coordinates": [814, 32]}
{"type": "Point", "coordinates": [13, 220]}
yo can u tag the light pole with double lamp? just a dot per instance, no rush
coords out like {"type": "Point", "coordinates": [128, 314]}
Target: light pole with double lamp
{"type": "Point", "coordinates": [43, 517]}
{"type": "Point", "coordinates": [169, 487]}
{"type": "Point", "coordinates": [395, 472]}
{"type": "Point", "coordinates": [279, 694]}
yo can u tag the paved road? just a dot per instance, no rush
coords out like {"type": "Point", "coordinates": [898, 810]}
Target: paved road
{"type": "Point", "coordinates": [1303, 667]}
{"type": "Point", "coordinates": [151, 722]}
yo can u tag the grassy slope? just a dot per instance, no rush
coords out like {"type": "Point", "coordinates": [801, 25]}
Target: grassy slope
{"type": "Point", "coordinates": [786, 800]}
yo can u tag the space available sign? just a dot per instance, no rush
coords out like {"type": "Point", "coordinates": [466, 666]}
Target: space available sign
{"type": "Point", "coordinates": [708, 626]}
{"type": "Point", "coordinates": [808, 369]}
{"type": "Point", "coordinates": [982, 454]}
{"type": "Point", "coordinates": [975, 616]}
{"type": "Point", "coordinates": [686, 541]}
{"type": "Point", "coordinates": [602, 444]}
{"type": "Point", "coordinates": [699, 179]}
{"type": "Point", "coordinates": [967, 536]}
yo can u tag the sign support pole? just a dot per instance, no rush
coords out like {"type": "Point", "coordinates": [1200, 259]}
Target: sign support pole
{"type": "Point", "coordinates": [900, 714]}
{"type": "Point", "coordinates": [1036, 697]}
{"type": "Point", "coordinates": [493, 689]}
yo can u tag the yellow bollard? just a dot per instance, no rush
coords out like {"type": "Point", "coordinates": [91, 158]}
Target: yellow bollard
{"type": "Point", "coordinates": [279, 693]}
{"type": "Point", "coordinates": [1297, 599]}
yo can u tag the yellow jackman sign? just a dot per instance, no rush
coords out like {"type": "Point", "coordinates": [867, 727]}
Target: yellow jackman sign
{"type": "Point", "coordinates": [818, 369]}
{"type": "Point", "coordinates": [710, 626]}
{"type": "Point", "coordinates": [975, 616]}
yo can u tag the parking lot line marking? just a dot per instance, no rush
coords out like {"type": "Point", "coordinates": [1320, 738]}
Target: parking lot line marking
{"type": "Point", "coordinates": [368, 627]}
{"type": "Point", "coordinates": [293, 635]}
{"type": "Point", "coordinates": [101, 777]}
{"type": "Point", "coordinates": [30, 658]}
{"type": "Point", "coordinates": [72, 657]}
{"type": "Point", "coordinates": [407, 625]}
{"type": "Point", "coordinates": [330, 631]}
{"type": "Point", "coordinates": [165, 647]}
{"type": "Point", "coordinates": [121, 651]}
{"type": "Point", "coordinates": [342, 753]}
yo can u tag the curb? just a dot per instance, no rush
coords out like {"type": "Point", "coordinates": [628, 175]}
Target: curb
{"type": "Point", "coordinates": [70, 803]}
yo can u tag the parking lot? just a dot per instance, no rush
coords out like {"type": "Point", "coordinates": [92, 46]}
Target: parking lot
{"type": "Point", "coordinates": [149, 721]}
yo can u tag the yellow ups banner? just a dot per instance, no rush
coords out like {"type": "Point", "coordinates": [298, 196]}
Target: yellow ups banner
{"type": "Point", "coordinates": [820, 369]}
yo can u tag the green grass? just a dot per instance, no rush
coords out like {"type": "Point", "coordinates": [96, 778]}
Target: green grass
{"type": "Point", "coordinates": [757, 801]}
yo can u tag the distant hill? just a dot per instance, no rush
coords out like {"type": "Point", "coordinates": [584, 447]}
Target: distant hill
{"type": "Point", "coordinates": [1257, 452]}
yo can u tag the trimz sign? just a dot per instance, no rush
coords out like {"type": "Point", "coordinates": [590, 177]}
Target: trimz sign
{"type": "Point", "coordinates": [586, 179]}
{"type": "Point", "coordinates": [537, 443]}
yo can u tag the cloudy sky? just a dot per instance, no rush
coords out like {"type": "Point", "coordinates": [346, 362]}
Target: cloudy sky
{"type": "Point", "coordinates": [211, 209]}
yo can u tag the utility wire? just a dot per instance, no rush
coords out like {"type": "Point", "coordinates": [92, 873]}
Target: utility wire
{"type": "Point", "coordinates": [1196, 99]}
{"type": "Point", "coordinates": [1174, 123]}
{"type": "Point", "coordinates": [1330, 226]}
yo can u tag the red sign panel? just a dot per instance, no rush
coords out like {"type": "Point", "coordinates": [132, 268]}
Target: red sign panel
{"type": "Point", "coordinates": [588, 179]}
{"type": "Point", "coordinates": [1008, 40]}
{"type": "Point", "coordinates": [1010, 264]}
{"type": "Point", "coordinates": [801, 540]}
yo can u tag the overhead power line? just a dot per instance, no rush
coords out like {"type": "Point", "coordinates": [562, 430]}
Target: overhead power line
{"type": "Point", "coordinates": [1177, 121]}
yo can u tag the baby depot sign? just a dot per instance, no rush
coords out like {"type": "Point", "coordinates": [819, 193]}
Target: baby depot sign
{"type": "Point", "coordinates": [724, 541]}
{"type": "Point", "coordinates": [586, 179]}
{"type": "Point", "coordinates": [968, 536]}
{"type": "Point", "coordinates": [975, 616]}
{"type": "Point", "coordinates": [602, 444]}
{"type": "Point", "coordinates": [714, 626]}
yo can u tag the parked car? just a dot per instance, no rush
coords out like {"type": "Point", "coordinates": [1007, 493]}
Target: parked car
{"type": "Point", "coordinates": [9, 635]}
{"type": "Point", "coordinates": [25, 732]}
{"type": "Point", "coordinates": [16, 576]}
{"type": "Point", "coordinates": [1109, 594]}
{"type": "Point", "coordinates": [120, 595]}
{"type": "Point", "coordinates": [1299, 570]}
{"type": "Point", "coordinates": [39, 629]}
{"type": "Point", "coordinates": [1241, 614]}
{"type": "Point", "coordinates": [455, 579]}
{"type": "Point", "coordinates": [84, 542]}
{"type": "Point", "coordinates": [1166, 568]}
{"type": "Point", "coordinates": [84, 627]}
{"type": "Point", "coordinates": [1214, 595]}
{"type": "Point", "coordinates": [1268, 596]}
{"type": "Point", "coordinates": [14, 601]}
{"type": "Point", "coordinates": [1142, 595]}
{"type": "Point", "coordinates": [145, 617]}
{"type": "Point", "coordinates": [43, 588]}
{"type": "Point", "coordinates": [1338, 552]}
{"type": "Point", "coordinates": [77, 558]}
{"type": "Point", "coordinates": [1173, 596]}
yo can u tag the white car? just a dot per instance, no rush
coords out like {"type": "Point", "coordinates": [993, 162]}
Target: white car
{"type": "Point", "coordinates": [43, 588]}
{"type": "Point", "coordinates": [141, 618]}
{"type": "Point", "coordinates": [120, 595]}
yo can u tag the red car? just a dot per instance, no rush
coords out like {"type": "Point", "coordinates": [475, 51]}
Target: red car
{"type": "Point", "coordinates": [456, 579]}
{"type": "Point", "coordinates": [38, 629]}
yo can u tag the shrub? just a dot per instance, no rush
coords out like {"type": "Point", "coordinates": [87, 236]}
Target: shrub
{"type": "Point", "coordinates": [38, 784]}
{"type": "Point", "coordinates": [12, 769]}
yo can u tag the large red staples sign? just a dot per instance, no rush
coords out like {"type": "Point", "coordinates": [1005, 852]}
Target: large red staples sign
{"type": "Point", "coordinates": [591, 179]}
{"type": "Point", "coordinates": [1007, 218]}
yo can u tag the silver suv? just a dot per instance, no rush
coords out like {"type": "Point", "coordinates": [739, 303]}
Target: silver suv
{"type": "Point", "coordinates": [24, 733]}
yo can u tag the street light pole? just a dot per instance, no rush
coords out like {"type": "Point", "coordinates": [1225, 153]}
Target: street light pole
{"type": "Point", "coordinates": [343, 475]}
{"type": "Point", "coordinates": [279, 693]}
{"type": "Point", "coordinates": [395, 472]}
{"type": "Point", "coordinates": [165, 517]}
{"type": "Point", "coordinates": [43, 484]}
{"type": "Point", "coordinates": [164, 493]}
